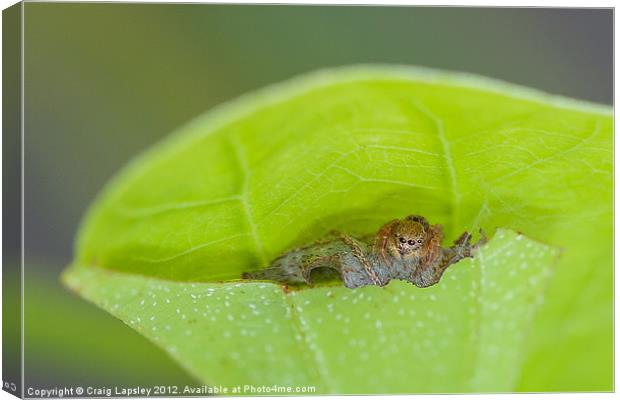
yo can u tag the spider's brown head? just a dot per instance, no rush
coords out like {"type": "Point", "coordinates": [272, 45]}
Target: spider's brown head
{"type": "Point", "coordinates": [408, 238]}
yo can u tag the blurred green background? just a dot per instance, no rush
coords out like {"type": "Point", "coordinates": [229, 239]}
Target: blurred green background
{"type": "Point", "coordinates": [104, 81]}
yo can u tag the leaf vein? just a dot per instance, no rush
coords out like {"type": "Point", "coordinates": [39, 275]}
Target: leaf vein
{"type": "Point", "coordinates": [317, 357]}
{"type": "Point", "coordinates": [245, 201]}
{"type": "Point", "coordinates": [380, 180]}
{"type": "Point", "coordinates": [445, 145]}
{"type": "Point", "coordinates": [190, 250]}
{"type": "Point", "coordinates": [163, 208]}
{"type": "Point", "coordinates": [314, 179]}
{"type": "Point", "coordinates": [583, 141]}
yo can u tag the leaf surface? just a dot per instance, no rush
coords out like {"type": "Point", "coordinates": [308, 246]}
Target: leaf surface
{"type": "Point", "coordinates": [463, 335]}
{"type": "Point", "coordinates": [351, 149]}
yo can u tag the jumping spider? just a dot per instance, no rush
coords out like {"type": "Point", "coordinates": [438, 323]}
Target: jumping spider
{"type": "Point", "coordinates": [408, 249]}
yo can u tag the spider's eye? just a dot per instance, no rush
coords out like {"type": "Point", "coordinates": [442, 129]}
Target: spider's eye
{"type": "Point", "coordinates": [402, 240]}
{"type": "Point", "coordinates": [411, 242]}
{"type": "Point", "coordinates": [419, 240]}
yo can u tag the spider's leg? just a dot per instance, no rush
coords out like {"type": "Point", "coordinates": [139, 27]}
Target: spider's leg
{"type": "Point", "coordinates": [383, 247]}
{"type": "Point", "coordinates": [463, 239]}
{"type": "Point", "coordinates": [433, 244]}
{"type": "Point", "coordinates": [360, 254]}
{"type": "Point", "coordinates": [381, 239]}
{"type": "Point", "coordinates": [434, 270]}
{"type": "Point", "coordinates": [380, 244]}
{"type": "Point", "coordinates": [432, 273]}
{"type": "Point", "coordinates": [483, 239]}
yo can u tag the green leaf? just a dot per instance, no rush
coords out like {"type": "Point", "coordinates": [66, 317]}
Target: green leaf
{"type": "Point", "coordinates": [463, 335]}
{"type": "Point", "coordinates": [147, 366]}
{"type": "Point", "coordinates": [350, 149]}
